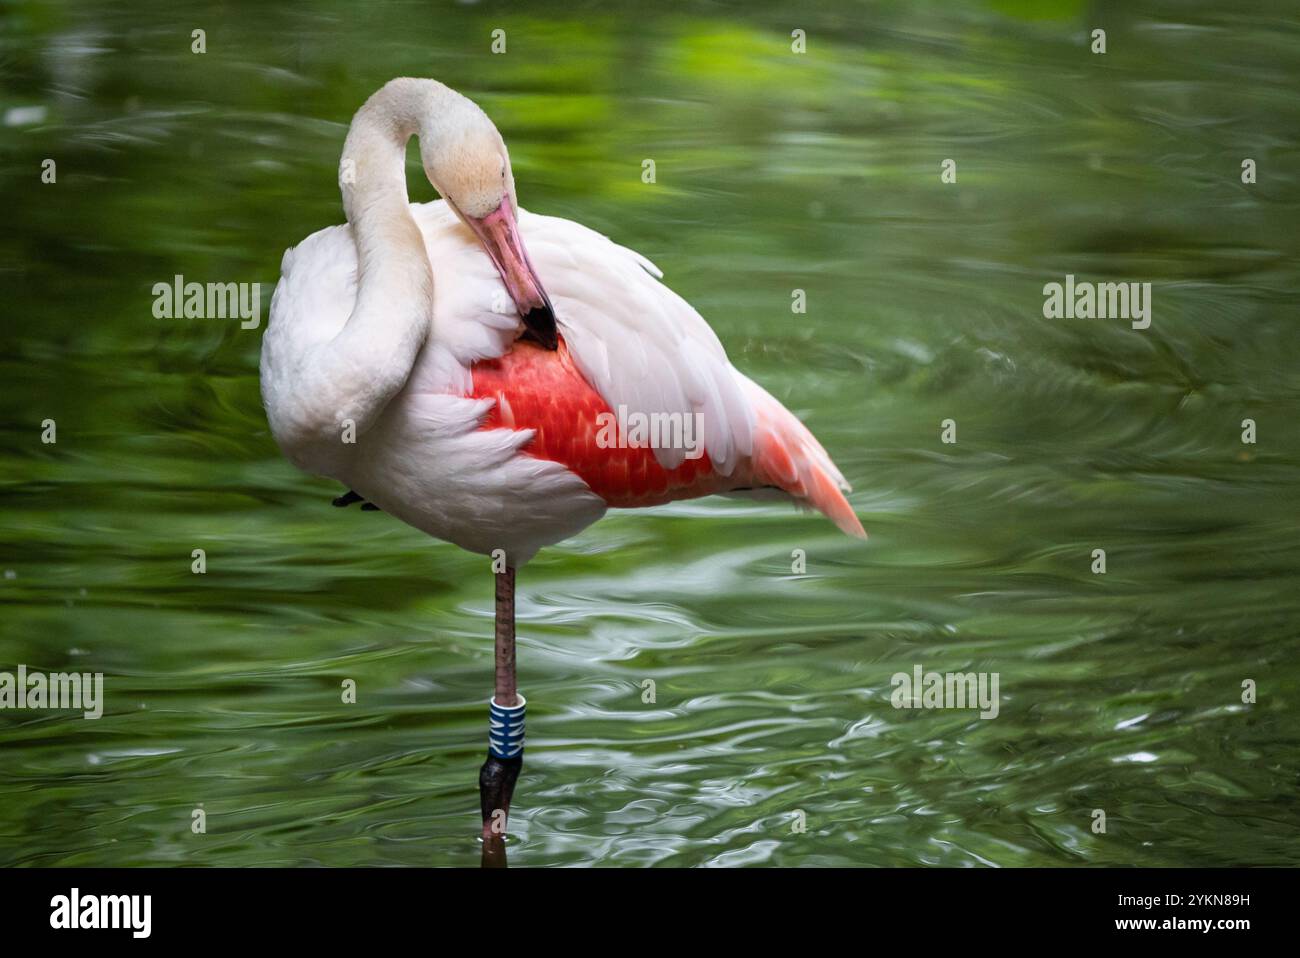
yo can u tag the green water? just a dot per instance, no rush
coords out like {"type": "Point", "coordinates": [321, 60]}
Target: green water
{"type": "Point", "coordinates": [775, 171]}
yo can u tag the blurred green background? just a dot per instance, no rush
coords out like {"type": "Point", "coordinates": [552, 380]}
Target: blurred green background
{"type": "Point", "coordinates": [775, 171]}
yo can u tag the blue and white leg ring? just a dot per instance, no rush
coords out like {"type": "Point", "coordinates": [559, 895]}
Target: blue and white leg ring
{"type": "Point", "coordinates": [506, 729]}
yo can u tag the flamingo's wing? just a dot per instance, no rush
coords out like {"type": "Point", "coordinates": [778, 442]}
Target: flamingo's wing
{"type": "Point", "coordinates": [642, 348]}
{"type": "Point", "coordinates": [637, 342]}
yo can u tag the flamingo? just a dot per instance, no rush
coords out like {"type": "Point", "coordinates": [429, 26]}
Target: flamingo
{"type": "Point", "coordinates": [456, 364]}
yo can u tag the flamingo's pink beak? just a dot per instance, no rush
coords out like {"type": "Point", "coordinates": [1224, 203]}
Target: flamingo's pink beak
{"type": "Point", "coordinates": [499, 234]}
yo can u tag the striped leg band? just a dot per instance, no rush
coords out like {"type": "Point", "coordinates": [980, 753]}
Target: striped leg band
{"type": "Point", "coordinates": [506, 729]}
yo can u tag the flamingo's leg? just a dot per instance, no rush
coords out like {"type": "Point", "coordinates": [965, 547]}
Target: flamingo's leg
{"type": "Point", "coordinates": [496, 779]}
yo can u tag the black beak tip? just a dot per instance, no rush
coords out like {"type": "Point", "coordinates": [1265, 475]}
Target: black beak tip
{"type": "Point", "coordinates": [539, 326]}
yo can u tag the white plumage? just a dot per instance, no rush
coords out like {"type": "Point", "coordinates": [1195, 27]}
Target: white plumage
{"type": "Point", "coordinates": [638, 343]}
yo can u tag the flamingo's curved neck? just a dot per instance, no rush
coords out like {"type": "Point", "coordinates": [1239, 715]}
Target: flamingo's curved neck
{"type": "Point", "coordinates": [372, 170]}
{"type": "Point", "coordinates": [372, 179]}
{"type": "Point", "coordinates": [348, 381]}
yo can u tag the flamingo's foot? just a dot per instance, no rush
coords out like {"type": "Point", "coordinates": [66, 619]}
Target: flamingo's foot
{"type": "Point", "coordinates": [350, 497]}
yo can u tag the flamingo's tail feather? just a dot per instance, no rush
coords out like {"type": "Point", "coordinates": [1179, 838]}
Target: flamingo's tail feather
{"type": "Point", "coordinates": [789, 457]}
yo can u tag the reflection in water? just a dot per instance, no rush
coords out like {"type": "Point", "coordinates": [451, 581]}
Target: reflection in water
{"type": "Point", "coordinates": [770, 702]}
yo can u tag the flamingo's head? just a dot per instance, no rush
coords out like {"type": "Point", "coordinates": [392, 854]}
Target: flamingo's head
{"type": "Point", "coordinates": [468, 164]}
